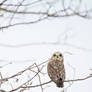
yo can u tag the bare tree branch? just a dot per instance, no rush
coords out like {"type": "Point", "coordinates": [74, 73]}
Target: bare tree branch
{"type": "Point", "coordinates": [26, 85]}
{"type": "Point", "coordinates": [74, 80]}
{"type": "Point", "coordinates": [18, 9]}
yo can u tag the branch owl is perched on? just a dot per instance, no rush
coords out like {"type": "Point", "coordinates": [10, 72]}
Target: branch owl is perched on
{"type": "Point", "coordinates": [56, 69]}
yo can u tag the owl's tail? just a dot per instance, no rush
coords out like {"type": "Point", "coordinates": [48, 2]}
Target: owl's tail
{"type": "Point", "coordinates": [60, 83]}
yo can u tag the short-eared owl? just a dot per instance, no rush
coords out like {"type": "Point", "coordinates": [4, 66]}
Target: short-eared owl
{"type": "Point", "coordinates": [56, 69]}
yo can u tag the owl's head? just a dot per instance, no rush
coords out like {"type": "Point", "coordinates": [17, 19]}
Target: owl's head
{"type": "Point", "coordinates": [57, 56]}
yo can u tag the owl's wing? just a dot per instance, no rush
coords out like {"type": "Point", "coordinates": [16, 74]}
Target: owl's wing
{"type": "Point", "coordinates": [56, 70]}
{"type": "Point", "coordinates": [52, 71]}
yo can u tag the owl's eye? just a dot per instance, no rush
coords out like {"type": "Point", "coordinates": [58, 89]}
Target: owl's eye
{"type": "Point", "coordinates": [54, 55]}
{"type": "Point", "coordinates": [60, 55]}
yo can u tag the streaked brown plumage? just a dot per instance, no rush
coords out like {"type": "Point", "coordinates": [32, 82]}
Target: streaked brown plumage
{"type": "Point", "coordinates": [56, 69]}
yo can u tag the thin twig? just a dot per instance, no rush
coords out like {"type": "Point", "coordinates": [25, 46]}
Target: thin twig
{"type": "Point", "coordinates": [21, 86]}
{"type": "Point", "coordinates": [39, 78]}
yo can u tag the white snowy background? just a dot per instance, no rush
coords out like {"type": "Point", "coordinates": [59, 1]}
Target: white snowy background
{"type": "Point", "coordinates": [23, 45]}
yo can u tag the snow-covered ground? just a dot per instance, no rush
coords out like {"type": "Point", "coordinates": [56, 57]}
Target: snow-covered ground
{"type": "Point", "coordinates": [24, 45]}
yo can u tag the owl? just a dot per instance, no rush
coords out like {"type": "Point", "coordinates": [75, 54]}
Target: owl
{"type": "Point", "coordinates": [56, 70]}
